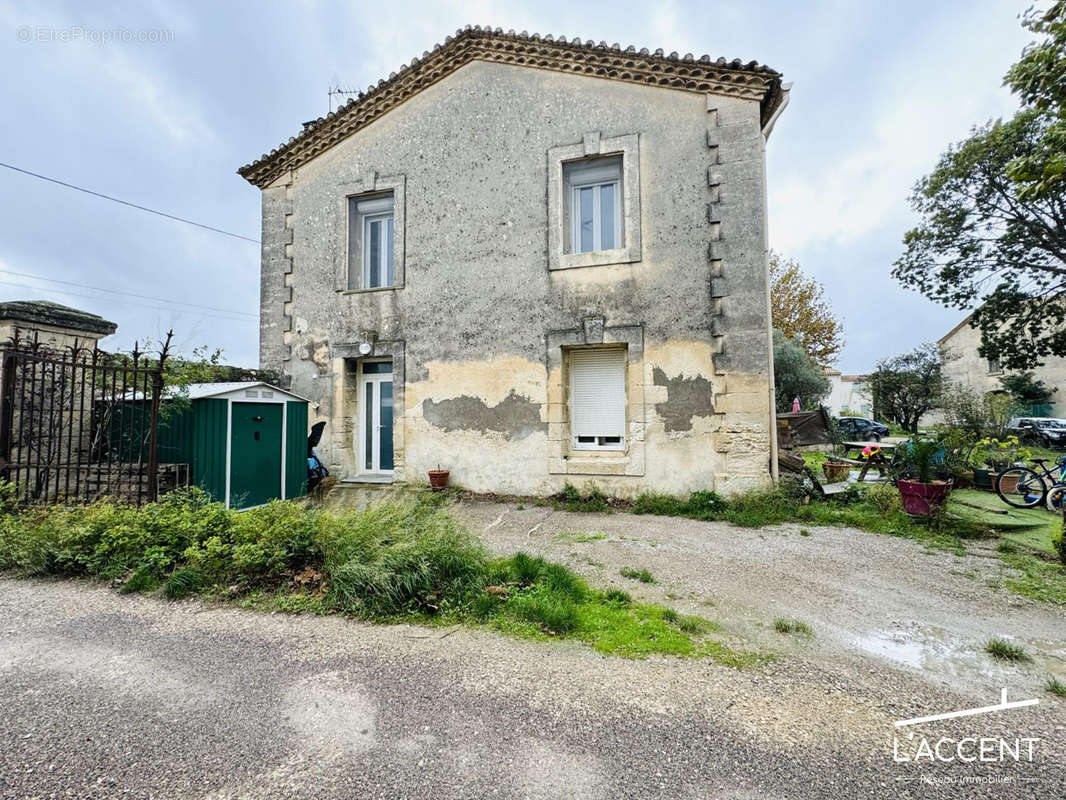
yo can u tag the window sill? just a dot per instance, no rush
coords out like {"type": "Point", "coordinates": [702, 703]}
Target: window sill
{"type": "Point", "coordinates": [369, 291]}
{"type": "Point", "coordinates": [596, 455]}
{"type": "Point", "coordinates": [603, 258]}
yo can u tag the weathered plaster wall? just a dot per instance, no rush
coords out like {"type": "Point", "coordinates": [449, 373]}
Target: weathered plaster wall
{"type": "Point", "coordinates": [964, 366]}
{"type": "Point", "coordinates": [479, 328]}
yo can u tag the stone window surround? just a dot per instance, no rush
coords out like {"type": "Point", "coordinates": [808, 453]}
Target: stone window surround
{"type": "Point", "coordinates": [563, 459]}
{"type": "Point", "coordinates": [370, 183]}
{"type": "Point", "coordinates": [593, 144]}
{"type": "Point", "coordinates": [349, 407]}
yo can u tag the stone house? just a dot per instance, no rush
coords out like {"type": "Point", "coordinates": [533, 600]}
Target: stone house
{"type": "Point", "coordinates": [847, 393]}
{"type": "Point", "coordinates": [531, 261]}
{"type": "Point", "coordinates": [962, 364]}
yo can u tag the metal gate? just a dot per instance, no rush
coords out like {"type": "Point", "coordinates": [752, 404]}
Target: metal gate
{"type": "Point", "coordinates": [78, 424]}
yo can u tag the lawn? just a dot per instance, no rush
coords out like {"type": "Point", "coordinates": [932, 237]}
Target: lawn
{"type": "Point", "coordinates": [1030, 528]}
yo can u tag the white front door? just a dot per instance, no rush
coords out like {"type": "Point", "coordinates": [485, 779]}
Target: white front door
{"type": "Point", "coordinates": [374, 422]}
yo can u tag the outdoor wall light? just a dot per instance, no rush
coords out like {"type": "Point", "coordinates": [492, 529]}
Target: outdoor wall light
{"type": "Point", "coordinates": [366, 346]}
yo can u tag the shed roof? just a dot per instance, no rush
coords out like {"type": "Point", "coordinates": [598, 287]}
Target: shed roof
{"type": "Point", "coordinates": [200, 391]}
{"type": "Point", "coordinates": [735, 78]}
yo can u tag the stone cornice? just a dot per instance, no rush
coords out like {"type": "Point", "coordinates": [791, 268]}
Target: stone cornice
{"type": "Point", "coordinates": [733, 78]}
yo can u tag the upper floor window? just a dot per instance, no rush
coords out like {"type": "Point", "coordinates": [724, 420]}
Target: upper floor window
{"type": "Point", "coordinates": [594, 204]}
{"type": "Point", "coordinates": [994, 367]}
{"type": "Point", "coordinates": [370, 241]}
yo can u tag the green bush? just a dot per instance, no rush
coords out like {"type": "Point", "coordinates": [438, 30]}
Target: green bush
{"type": "Point", "coordinates": [1059, 543]}
{"type": "Point", "coordinates": [700, 504]}
{"type": "Point", "coordinates": [184, 582]}
{"type": "Point", "coordinates": [659, 504]}
{"type": "Point", "coordinates": [885, 497]}
{"type": "Point", "coordinates": [570, 499]}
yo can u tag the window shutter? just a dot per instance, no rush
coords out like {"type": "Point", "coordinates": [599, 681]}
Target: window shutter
{"type": "Point", "coordinates": [598, 392]}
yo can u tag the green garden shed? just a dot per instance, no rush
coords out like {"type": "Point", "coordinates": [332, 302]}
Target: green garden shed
{"type": "Point", "coordinates": [244, 442]}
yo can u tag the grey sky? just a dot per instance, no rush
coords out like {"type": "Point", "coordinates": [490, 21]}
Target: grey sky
{"type": "Point", "coordinates": [880, 89]}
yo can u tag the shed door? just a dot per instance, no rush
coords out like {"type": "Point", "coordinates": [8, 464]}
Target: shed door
{"type": "Point", "coordinates": [255, 453]}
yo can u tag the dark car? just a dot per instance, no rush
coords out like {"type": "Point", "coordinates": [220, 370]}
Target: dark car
{"type": "Point", "coordinates": [1045, 431]}
{"type": "Point", "coordinates": [861, 429]}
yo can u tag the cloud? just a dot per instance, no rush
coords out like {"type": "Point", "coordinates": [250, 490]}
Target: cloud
{"type": "Point", "coordinates": [917, 103]}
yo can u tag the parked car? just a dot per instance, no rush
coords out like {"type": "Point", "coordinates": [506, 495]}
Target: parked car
{"type": "Point", "coordinates": [1045, 431]}
{"type": "Point", "coordinates": [862, 429]}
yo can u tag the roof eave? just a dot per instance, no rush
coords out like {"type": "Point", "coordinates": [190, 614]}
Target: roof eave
{"type": "Point", "coordinates": [735, 78]}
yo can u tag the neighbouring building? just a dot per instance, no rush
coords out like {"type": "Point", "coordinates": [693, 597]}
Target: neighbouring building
{"type": "Point", "coordinates": [847, 393]}
{"type": "Point", "coordinates": [52, 325]}
{"type": "Point", "coordinates": [531, 261]}
{"type": "Point", "coordinates": [963, 365]}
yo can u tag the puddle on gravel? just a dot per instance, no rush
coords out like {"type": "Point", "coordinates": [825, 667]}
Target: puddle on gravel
{"type": "Point", "coordinates": [932, 649]}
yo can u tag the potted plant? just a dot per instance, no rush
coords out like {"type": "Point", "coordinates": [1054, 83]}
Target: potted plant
{"type": "Point", "coordinates": [1001, 454]}
{"type": "Point", "coordinates": [923, 487]}
{"type": "Point", "coordinates": [836, 471]}
{"type": "Point", "coordinates": [438, 479]}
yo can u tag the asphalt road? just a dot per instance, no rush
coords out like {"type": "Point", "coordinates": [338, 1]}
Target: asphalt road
{"type": "Point", "coordinates": [103, 695]}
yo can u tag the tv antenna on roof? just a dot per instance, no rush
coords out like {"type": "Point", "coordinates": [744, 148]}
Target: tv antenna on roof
{"type": "Point", "coordinates": [340, 94]}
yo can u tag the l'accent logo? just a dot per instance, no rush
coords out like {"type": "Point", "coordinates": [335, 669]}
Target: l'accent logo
{"type": "Point", "coordinates": [969, 712]}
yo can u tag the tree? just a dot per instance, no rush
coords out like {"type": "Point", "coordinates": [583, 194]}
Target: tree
{"type": "Point", "coordinates": [978, 415]}
{"type": "Point", "coordinates": [796, 375]}
{"type": "Point", "coordinates": [993, 229]}
{"type": "Point", "coordinates": [1039, 80]}
{"type": "Point", "coordinates": [907, 386]}
{"type": "Point", "coordinates": [799, 310]}
{"type": "Point", "coordinates": [1027, 391]}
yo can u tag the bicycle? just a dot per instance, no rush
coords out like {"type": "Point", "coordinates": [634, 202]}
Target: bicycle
{"type": "Point", "coordinates": [1025, 487]}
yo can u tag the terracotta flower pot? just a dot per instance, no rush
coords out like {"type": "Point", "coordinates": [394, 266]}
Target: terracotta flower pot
{"type": "Point", "coordinates": [438, 479]}
{"type": "Point", "coordinates": [836, 472]}
{"type": "Point", "coordinates": [1008, 484]}
{"type": "Point", "coordinates": [923, 499]}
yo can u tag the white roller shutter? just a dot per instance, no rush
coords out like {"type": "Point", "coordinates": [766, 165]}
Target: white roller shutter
{"type": "Point", "coordinates": [598, 392]}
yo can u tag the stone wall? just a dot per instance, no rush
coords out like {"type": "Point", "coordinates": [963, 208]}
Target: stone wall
{"type": "Point", "coordinates": [964, 366]}
{"type": "Point", "coordinates": [479, 329]}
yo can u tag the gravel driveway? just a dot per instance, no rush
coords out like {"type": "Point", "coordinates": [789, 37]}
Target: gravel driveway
{"type": "Point", "coordinates": [873, 600]}
{"type": "Point", "coordinates": [103, 695]}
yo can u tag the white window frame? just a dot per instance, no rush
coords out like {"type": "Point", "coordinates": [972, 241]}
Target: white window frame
{"type": "Point", "coordinates": [594, 180]}
{"type": "Point", "coordinates": [610, 442]}
{"type": "Point", "coordinates": [370, 209]}
{"type": "Point", "coordinates": [385, 263]}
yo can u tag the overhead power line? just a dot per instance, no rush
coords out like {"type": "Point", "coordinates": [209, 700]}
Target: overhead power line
{"type": "Point", "coordinates": [127, 203]}
{"type": "Point", "coordinates": [128, 294]}
{"type": "Point", "coordinates": [129, 302]}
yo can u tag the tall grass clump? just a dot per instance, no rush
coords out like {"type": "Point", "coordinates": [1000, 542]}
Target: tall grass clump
{"type": "Point", "coordinates": [1005, 651]}
{"type": "Point", "coordinates": [400, 558]}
